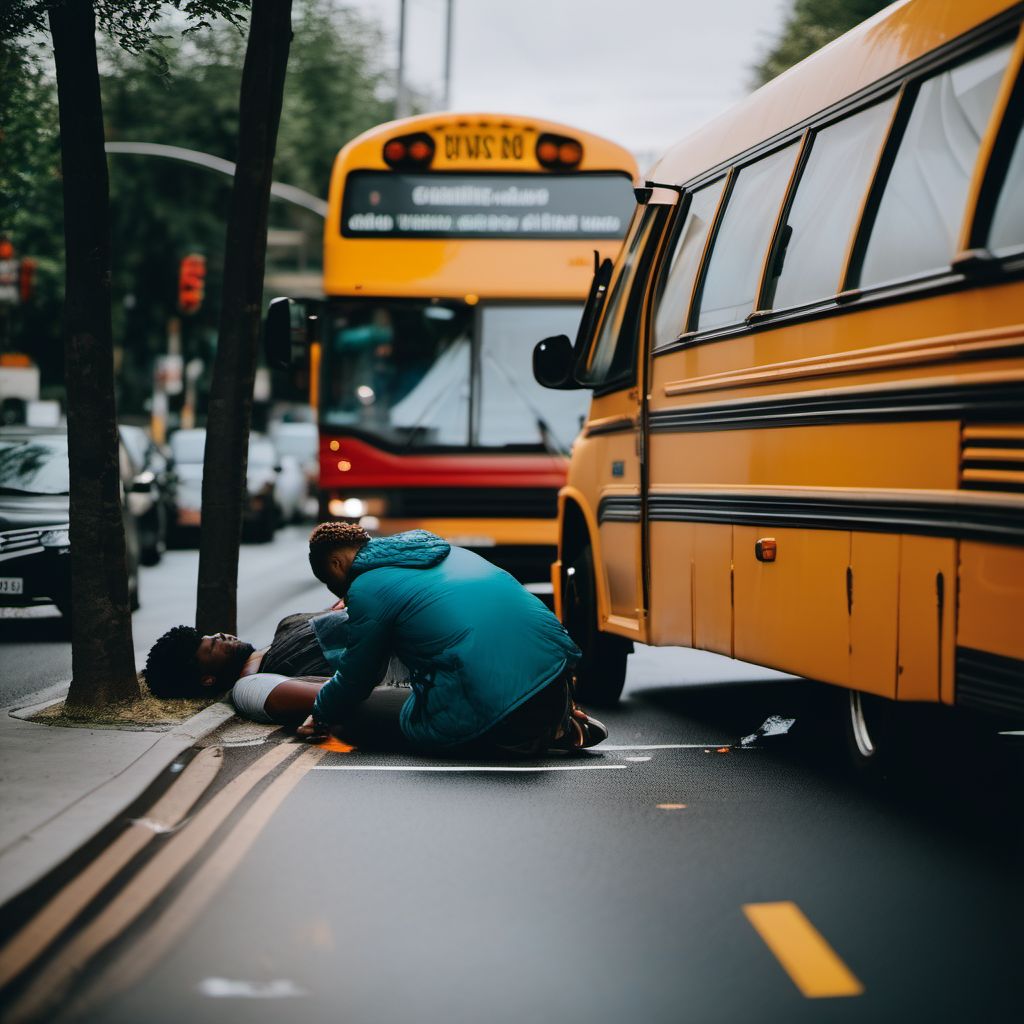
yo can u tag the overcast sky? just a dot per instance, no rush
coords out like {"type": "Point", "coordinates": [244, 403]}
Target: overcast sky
{"type": "Point", "coordinates": [644, 73]}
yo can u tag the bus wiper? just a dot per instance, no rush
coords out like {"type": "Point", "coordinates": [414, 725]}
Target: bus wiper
{"type": "Point", "coordinates": [547, 435]}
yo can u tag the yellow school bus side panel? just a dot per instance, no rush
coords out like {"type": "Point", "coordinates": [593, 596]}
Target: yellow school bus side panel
{"type": "Point", "coordinates": [874, 592]}
{"type": "Point", "coordinates": [713, 589]}
{"type": "Point", "coordinates": [792, 613]}
{"type": "Point", "coordinates": [927, 627]}
{"type": "Point", "coordinates": [673, 551]}
{"type": "Point", "coordinates": [991, 599]}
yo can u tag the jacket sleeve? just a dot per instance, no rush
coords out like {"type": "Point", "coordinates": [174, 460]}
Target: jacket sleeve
{"type": "Point", "coordinates": [359, 669]}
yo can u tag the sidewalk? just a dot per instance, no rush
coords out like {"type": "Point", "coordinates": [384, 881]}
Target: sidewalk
{"type": "Point", "coordinates": [60, 786]}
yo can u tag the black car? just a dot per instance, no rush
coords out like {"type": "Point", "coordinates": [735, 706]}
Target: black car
{"type": "Point", "coordinates": [35, 547]}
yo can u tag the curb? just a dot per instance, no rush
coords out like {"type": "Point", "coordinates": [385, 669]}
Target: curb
{"type": "Point", "coordinates": [24, 862]}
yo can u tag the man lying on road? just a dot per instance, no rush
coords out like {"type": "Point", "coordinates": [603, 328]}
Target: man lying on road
{"type": "Point", "coordinates": [490, 666]}
{"type": "Point", "coordinates": [274, 684]}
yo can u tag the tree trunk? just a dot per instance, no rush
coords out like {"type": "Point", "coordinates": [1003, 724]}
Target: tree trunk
{"type": "Point", "coordinates": [234, 369]}
{"type": "Point", "coordinates": [102, 652]}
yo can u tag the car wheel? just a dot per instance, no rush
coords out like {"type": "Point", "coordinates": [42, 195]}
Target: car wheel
{"type": "Point", "coordinates": [601, 672]}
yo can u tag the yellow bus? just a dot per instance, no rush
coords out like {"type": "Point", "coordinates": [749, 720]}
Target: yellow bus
{"type": "Point", "coordinates": [452, 241]}
{"type": "Point", "coordinates": [805, 444]}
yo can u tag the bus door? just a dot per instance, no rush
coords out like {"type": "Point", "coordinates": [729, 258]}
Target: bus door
{"type": "Point", "coordinates": [614, 367]}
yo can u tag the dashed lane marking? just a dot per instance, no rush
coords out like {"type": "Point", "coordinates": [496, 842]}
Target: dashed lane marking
{"type": "Point", "coordinates": [465, 768]}
{"type": "Point", "coordinates": [806, 957]}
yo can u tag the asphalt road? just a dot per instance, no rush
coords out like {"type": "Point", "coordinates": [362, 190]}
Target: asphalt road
{"type": "Point", "coordinates": [669, 876]}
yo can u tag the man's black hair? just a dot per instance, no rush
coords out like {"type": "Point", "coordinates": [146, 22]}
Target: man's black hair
{"type": "Point", "coordinates": [171, 667]}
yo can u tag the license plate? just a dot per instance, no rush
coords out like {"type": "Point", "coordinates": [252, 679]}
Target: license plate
{"type": "Point", "coordinates": [12, 585]}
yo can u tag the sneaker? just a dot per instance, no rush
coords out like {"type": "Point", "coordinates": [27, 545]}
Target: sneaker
{"type": "Point", "coordinates": [580, 731]}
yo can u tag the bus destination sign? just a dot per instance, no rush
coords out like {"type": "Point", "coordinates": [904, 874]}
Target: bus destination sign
{"type": "Point", "coordinates": [383, 204]}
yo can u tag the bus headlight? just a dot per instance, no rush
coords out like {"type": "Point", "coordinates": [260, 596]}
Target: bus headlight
{"type": "Point", "coordinates": [356, 508]}
{"type": "Point", "coordinates": [59, 538]}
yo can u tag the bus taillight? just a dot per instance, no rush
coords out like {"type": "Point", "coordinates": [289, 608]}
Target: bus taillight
{"type": "Point", "coordinates": [408, 152]}
{"type": "Point", "coordinates": [558, 152]}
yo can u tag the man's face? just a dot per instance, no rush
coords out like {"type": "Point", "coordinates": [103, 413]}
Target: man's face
{"type": "Point", "coordinates": [336, 575]}
{"type": "Point", "coordinates": [220, 657]}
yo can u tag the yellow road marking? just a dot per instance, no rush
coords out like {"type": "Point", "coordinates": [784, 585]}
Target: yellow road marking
{"type": "Point", "coordinates": [200, 889]}
{"type": "Point", "coordinates": [50, 984]}
{"type": "Point", "coordinates": [806, 957]}
{"type": "Point", "coordinates": [166, 814]}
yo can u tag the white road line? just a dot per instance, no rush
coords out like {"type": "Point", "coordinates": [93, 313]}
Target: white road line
{"type": "Point", "coordinates": [463, 768]}
{"type": "Point", "coordinates": [664, 746]}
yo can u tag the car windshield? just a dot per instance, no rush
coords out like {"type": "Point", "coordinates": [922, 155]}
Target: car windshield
{"type": "Point", "coordinates": [188, 446]}
{"type": "Point", "coordinates": [298, 439]}
{"type": "Point", "coordinates": [448, 375]}
{"type": "Point", "coordinates": [261, 453]}
{"type": "Point", "coordinates": [36, 465]}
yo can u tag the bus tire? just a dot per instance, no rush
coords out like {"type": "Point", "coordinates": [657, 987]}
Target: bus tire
{"type": "Point", "coordinates": [601, 672]}
{"type": "Point", "coordinates": [872, 733]}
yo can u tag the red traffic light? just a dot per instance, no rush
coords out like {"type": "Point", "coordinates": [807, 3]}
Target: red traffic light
{"type": "Point", "coordinates": [191, 283]}
{"type": "Point", "coordinates": [26, 278]}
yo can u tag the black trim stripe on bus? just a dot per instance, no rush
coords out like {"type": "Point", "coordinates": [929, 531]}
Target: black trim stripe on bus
{"type": "Point", "coordinates": [979, 402]}
{"type": "Point", "coordinates": [989, 682]}
{"type": "Point", "coordinates": [957, 519]}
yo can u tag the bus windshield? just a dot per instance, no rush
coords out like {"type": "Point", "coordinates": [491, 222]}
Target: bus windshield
{"type": "Point", "coordinates": [435, 374]}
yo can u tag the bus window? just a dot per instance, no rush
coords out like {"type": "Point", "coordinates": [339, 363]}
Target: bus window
{"type": "Point", "coordinates": [612, 356]}
{"type": "Point", "coordinates": [673, 300]}
{"type": "Point", "coordinates": [513, 409]}
{"type": "Point", "coordinates": [824, 212]}
{"type": "Point", "coordinates": [915, 229]}
{"type": "Point", "coordinates": [1007, 234]}
{"type": "Point", "coordinates": [752, 208]}
{"type": "Point", "coordinates": [400, 371]}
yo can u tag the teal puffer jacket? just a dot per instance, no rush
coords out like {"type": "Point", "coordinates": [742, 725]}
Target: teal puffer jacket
{"type": "Point", "coordinates": [476, 643]}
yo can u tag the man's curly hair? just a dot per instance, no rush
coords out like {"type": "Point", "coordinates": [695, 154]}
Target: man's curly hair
{"type": "Point", "coordinates": [171, 667]}
{"type": "Point", "coordinates": [328, 536]}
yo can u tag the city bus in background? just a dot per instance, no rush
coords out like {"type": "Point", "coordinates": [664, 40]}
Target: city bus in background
{"type": "Point", "coordinates": [451, 242]}
{"type": "Point", "coordinates": [805, 445]}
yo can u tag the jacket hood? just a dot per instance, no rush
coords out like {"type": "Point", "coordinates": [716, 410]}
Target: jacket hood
{"type": "Point", "coordinates": [414, 549]}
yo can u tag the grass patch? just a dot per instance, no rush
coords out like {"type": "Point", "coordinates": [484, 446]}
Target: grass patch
{"type": "Point", "coordinates": [147, 712]}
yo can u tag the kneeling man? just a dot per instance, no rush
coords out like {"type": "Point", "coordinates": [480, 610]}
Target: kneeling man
{"type": "Point", "coordinates": [490, 667]}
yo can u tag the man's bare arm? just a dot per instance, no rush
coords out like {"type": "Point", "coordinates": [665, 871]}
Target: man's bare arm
{"type": "Point", "coordinates": [291, 701]}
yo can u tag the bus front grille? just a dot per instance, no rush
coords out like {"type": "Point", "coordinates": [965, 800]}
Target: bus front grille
{"type": "Point", "coordinates": [473, 503]}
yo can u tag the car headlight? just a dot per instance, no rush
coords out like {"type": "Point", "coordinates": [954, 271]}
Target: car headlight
{"type": "Point", "coordinates": [59, 538]}
{"type": "Point", "coordinates": [356, 508]}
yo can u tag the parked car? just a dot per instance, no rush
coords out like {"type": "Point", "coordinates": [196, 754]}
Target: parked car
{"type": "Point", "coordinates": [261, 514]}
{"type": "Point", "coordinates": [35, 544]}
{"type": "Point", "coordinates": [290, 486]}
{"type": "Point", "coordinates": [152, 497]}
{"type": "Point", "coordinates": [302, 442]}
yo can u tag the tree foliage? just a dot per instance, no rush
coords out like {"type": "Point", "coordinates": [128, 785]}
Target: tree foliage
{"type": "Point", "coordinates": [181, 90]}
{"type": "Point", "coordinates": [810, 25]}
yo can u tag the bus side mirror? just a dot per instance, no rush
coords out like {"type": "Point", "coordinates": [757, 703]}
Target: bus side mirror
{"type": "Point", "coordinates": [287, 331]}
{"type": "Point", "coordinates": [553, 361]}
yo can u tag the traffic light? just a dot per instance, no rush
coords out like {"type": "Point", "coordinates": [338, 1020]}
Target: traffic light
{"type": "Point", "coordinates": [26, 278]}
{"type": "Point", "coordinates": [191, 281]}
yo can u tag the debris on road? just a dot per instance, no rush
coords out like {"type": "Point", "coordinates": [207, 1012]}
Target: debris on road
{"type": "Point", "coordinates": [773, 725]}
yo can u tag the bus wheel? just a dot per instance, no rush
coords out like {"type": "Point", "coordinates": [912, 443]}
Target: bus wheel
{"type": "Point", "coordinates": [601, 672]}
{"type": "Point", "coordinates": [871, 733]}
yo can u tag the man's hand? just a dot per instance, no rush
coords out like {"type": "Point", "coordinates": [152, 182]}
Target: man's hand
{"type": "Point", "coordinates": [312, 730]}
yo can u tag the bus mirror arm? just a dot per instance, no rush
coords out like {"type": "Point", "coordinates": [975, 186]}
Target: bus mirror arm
{"type": "Point", "coordinates": [553, 363]}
